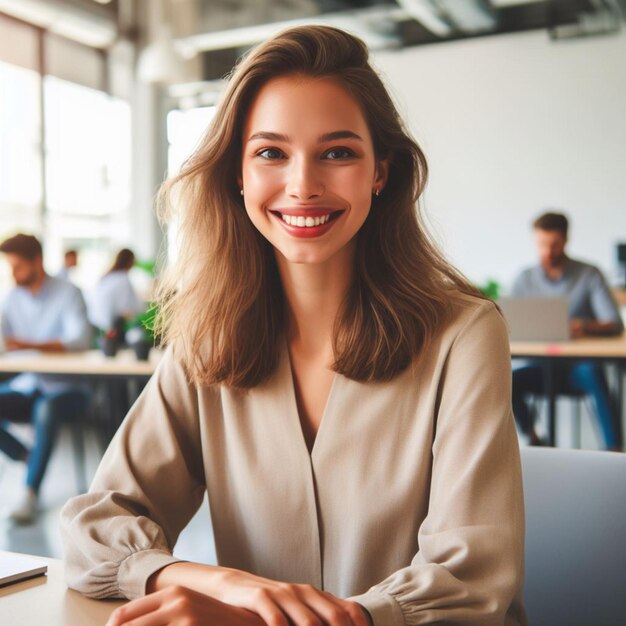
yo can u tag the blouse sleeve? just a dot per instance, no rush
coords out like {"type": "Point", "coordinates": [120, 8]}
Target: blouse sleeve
{"type": "Point", "coordinates": [148, 486]}
{"type": "Point", "coordinates": [469, 566]}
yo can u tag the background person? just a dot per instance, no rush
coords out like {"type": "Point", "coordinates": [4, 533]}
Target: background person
{"type": "Point", "coordinates": [592, 311]}
{"type": "Point", "coordinates": [114, 296]}
{"type": "Point", "coordinates": [48, 314]}
{"type": "Point", "coordinates": [337, 387]}
{"type": "Point", "coordinates": [70, 261]}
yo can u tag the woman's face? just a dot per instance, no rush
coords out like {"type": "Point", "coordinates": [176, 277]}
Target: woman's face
{"type": "Point", "coordinates": [308, 167]}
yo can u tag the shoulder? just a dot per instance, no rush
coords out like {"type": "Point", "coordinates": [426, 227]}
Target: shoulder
{"type": "Point", "coordinates": [63, 288]}
{"type": "Point", "coordinates": [472, 344]}
{"type": "Point", "coordinates": [473, 314]}
{"type": "Point", "coordinates": [527, 272]}
{"type": "Point", "coordinates": [12, 293]}
{"type": "Point", "coordinates": [11, 301]}
{"type": "Point", "coordinates": [586, 270]}
{"type": "Point", "coordinates": [582, 266]}
{"type": "Point", "coordinates": [54, 283]}
{"type": "Point", "coordinates": [526, 277]}
{"type": "Point", "coordinates": [112, 278]}
{"type": "Point", "coordinates": [172, 372]}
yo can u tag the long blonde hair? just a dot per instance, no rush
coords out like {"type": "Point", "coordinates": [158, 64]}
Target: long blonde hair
{"type": "Point", "coordinates": [222, 304]}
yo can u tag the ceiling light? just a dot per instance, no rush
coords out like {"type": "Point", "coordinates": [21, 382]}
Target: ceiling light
{"type": "Point", "coordinates": [428, 15]}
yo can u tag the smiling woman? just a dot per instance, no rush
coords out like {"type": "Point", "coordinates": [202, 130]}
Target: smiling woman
{"type": "Point", "coordinates": [338, 389]}
{"type": "Point", "coordinates": [324, 170]}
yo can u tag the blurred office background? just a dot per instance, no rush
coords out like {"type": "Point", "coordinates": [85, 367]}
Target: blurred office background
{"type": "Point", "coordinates": [519, 105]}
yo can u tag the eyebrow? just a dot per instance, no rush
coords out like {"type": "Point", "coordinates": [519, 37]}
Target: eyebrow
{"type": "Point", "coordinates": [337, 134]}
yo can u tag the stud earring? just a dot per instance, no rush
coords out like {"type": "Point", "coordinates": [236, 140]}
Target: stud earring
{"type": "Point", "coordinates": [241, 192]}
{"type": "Point", "coordinates": [377, 192]}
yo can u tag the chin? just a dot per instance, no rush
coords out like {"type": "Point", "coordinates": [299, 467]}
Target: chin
{"type": "Point", "coordinates": [305, 258]}
{"type": "Point", "coordinates": [304, 255]}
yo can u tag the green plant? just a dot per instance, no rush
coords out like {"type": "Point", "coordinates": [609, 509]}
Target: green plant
{"type": "Point", "coordinates": [145, 321]}
{"type": "Point", "coordinates": [491, 289]}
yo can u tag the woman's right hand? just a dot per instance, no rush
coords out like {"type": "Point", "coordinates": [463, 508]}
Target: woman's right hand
{"type": "Point", "coordinates": [276, 603]}
{"type": "Point", "coordinates": [176, 605]}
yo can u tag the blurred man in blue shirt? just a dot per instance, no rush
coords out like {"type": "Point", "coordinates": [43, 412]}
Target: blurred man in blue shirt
{"type": "Point", "coordinates": [592, 311]}
{"type": "Point", "coordinates": [46, 314]}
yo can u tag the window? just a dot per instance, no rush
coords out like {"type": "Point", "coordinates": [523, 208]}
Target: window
{"type": "Point", "coordinates": [78, 194]}
{"type": "Point", "coordinates": [20, 149]}
{"type": "Point", "coordinates": [185, 129]}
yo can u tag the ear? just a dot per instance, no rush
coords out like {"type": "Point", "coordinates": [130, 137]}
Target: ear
{"type": "Point", "coordinates": [240, 181]}
{"type": "Point", "coordinates": [381, 174]}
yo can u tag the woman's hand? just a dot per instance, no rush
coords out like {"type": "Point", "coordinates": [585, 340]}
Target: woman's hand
{"type": "Point", "coordinates": [180, 605]}
{"type": "Point", "coordinates": [287, 604]}
{"type": "Point", "coordinates": [276, 603]}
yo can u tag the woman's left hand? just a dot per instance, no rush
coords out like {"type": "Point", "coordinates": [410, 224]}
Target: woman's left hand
{"type": "Point", "coordinates": [180, 605]}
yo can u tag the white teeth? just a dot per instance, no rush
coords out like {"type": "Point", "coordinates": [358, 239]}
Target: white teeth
{"type": "Point", "coordinates": [305, 222]}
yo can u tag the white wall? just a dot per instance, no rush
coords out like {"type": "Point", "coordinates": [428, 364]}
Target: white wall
{"type": "Point", "coordinates": [511, 125]}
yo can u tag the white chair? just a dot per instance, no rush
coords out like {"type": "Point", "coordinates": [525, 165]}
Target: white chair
{"type": "Point", "coordinates": [575, 537]}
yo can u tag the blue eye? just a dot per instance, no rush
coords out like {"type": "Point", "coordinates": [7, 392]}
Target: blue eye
{"type": "Point", "coordinates": [336, 154]}
{"type": "Point", "coordinates": [272, 154]}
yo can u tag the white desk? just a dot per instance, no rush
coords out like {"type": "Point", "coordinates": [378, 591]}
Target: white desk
{"type": "Point", "coordinates": [46, 601]}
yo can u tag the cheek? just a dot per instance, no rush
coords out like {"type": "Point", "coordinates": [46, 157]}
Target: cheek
{"type": "Point", "coordinates": [357, 185]}
{"type": "Point", "coordinates": [259, 181]}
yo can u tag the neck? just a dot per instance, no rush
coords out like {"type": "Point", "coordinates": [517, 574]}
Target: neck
{"type": "Point", "coordinates": [36, 286]}
{"type": "Point", "coordinates": [556, 271]}
{"type": "Point", "coordinates": [314, 293]}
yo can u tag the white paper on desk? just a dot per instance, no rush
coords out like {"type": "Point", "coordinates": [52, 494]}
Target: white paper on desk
{"type": "Point", "coordinates": [16, 567]}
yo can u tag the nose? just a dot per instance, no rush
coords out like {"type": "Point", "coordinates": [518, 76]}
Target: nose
{"type": "Point", "coordinates": [305, 180]}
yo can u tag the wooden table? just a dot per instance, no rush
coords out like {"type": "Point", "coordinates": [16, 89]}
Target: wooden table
{"type": "Point", "coordinates": [120, 378]}
{"type": "Point", "coordinates": [86, 364]}
{"type": "Point", "coordinates": [46, 601]}
{"type": "Point", "coordinates": [605, 349]}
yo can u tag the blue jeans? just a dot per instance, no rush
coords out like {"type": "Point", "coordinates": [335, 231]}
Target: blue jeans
{"type": "Point", "coordinates": [581, 377]}
{"type": "Point", "coordinates": [45, 412]}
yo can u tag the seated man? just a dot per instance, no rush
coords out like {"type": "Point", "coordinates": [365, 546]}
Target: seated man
{"type": "Point", "coordinates": [592, 311]}
{"type": "Point", "coordinates": [47, 314]}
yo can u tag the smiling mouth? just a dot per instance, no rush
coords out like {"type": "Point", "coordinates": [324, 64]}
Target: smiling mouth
{"type": "Point", "coordinates": [307, 221]}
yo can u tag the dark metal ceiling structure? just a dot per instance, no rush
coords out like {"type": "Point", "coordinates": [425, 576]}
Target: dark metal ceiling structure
{"type": "Point", "coordinates": [413, 22]}
{"type": "Point", "coordinates": [220, 30]}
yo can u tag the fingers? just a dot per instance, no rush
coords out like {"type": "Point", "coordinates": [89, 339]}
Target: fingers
{"type": "Point", "coordinates": [308, 606]}
{"type": "Point", "coordinates": [135, 609]}
{"type": "Point", "coordinates": [176, 605]}
{"type": "Point", "coordinates": [349, 613]}
{"type": "Point", "coordinates": [358, 614]}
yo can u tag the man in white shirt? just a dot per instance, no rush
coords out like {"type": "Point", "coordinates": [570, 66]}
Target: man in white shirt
{"type": "Point", "coordinates": [47, 314]}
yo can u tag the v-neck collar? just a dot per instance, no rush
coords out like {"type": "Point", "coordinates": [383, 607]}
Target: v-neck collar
{"type": "Point", "coordinates": [286, 374]}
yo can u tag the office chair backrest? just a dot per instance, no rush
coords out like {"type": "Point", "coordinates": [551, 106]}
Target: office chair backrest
{"type": "Point", "coordinates": [575, 537]}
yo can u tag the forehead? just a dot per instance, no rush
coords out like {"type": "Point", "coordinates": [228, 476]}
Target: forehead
{"type": "Point", "coordinates": [548, 236]}
{"type": "Point", "coordinates": [297, 104]}
{"type": "Point", "coordinates": [16, 260]}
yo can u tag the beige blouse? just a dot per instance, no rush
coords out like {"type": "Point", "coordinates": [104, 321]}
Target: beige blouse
{"type": "Point", "coordinates": [410, 502]}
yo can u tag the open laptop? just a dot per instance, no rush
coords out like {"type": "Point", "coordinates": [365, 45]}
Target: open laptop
{"type": "Point", "coordinates": [536, 319]}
